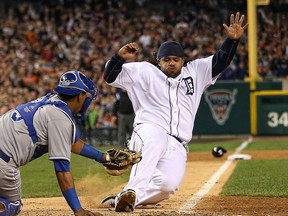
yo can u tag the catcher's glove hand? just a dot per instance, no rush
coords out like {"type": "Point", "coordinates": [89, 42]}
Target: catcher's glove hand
{"type": "Point", "coordinates": [119, 161]}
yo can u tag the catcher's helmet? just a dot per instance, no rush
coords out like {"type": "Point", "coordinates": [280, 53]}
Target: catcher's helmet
{"type": "Point", "coordinates": [75, 82]}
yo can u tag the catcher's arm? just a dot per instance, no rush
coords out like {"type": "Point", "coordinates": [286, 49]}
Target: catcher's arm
{"type": "Point", "coordinates": [66, 183]}
{"type": "Point", "coordinates": [81, 148]}
{"type": "Point", "coordinates": [115, 162]}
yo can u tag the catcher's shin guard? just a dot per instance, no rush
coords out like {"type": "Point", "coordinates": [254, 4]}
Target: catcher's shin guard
{"type": "Point", "coordinates": [125, 201]}
{"type": "Point", "coordinates": [8, 208]}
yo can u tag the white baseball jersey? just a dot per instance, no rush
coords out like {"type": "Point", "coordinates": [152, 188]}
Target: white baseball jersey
{"type": "Point", "coordinates": [171, 103]}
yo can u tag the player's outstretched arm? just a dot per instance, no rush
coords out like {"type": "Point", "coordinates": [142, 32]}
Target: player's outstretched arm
{"type": "Point", "coordinates": [127, 53]}
{"type": "Point", "coordinates": [224, 55]}
{"type": "Point", "coordinates": [237, 27]}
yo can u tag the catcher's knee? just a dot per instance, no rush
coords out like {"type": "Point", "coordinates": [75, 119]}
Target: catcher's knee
{"type": "Point", "coordinates": [8, 208]}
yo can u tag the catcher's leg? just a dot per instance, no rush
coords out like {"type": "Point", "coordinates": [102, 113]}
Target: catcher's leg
{"type": "Point", "coordinates": [10, 187]}
{"type": "Point", "coordinates": [8, 208]}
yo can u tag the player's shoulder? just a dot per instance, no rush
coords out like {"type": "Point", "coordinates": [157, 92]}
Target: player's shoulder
{"type": "Point", "coordinates": [140, 67]}
{"type": "Point", "coordinates": [140, 64]}
{"type": "Point", "coordinates": [195, 62]}
{"type": "Point", "coordinates": [52, 112]}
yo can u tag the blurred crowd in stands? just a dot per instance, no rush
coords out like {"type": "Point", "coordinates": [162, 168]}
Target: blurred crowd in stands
{"type": "Point", "coordinates": [39, 40]}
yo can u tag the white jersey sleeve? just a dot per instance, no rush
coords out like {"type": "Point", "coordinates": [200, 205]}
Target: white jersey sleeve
{"type": "Point", "coordinates": [131, 73]}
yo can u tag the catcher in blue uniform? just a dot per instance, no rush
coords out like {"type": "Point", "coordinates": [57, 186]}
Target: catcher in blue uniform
{"type": "Point", "coordinates": [47, 125]}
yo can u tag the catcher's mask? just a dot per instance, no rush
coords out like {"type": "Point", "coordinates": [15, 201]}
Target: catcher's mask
{"type": "Point", "coordinates": [74, 83]}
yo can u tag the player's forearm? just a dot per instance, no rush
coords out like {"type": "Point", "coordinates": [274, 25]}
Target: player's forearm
{"type": "Point", "coordinates": [66, 183]}
{"type": "Point", "coordinates": [88, 151]}
{"type": "Point", "coordinates": [65, 180]}
{"type": "Point", "coordinates": [224, 55]}
{"type": "Point", "coordinates": [113, 68]}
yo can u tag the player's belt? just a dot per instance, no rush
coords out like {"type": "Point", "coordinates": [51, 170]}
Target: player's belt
{"type": "Point", "coordinates": [178, 139]}
{"type": "Point", "coordinates": [184, 145]}
{"type": "Point", "coordinates": [4, 156]}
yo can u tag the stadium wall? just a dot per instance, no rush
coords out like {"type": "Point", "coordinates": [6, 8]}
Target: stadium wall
{"type": "Point", "coordinates": [232, 108]}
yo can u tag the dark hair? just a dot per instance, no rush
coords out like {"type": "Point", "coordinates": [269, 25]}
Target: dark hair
{"type": "Point", "coordinates": [65, 97]}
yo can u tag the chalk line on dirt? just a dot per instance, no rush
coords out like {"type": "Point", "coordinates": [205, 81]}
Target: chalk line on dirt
{"type": "Point", "coordinates": [193, 200]}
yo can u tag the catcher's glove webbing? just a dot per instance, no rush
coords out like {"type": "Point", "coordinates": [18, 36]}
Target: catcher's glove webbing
{"type": "Point", "coordinates": [120, 161]}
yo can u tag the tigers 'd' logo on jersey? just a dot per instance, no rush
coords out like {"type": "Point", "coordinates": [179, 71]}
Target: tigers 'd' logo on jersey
{"type": "Point", "coordinates": [189, 85]}
{"type": "Point", "coordinates": [220, 103]}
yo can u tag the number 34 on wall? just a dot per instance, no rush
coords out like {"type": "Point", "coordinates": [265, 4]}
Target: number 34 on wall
{"type": "Point", "coordinates": [275, 119]}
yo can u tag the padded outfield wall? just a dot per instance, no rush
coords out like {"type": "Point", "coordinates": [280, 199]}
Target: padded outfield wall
{"type": "Point", "coordinates": [230, 108]}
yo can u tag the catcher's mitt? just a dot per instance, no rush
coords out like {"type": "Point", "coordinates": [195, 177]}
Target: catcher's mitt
{"type": "Point", "coordinates": [121, 160]}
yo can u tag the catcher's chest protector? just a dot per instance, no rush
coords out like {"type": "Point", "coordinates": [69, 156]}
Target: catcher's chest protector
{"type": "Point", "coordinates": [27, 112]}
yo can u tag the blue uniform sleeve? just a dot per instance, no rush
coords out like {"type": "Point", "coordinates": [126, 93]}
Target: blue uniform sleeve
{"type": "Point", "coordinates": [72, 199]}
{"type": "Point", "coordinates": [223, 57]}
{"type": "Point", "coordinates": [61, 165]}
{"type": "Point", "coordinates": [113, 68]}
{"type": "Point", "coordinates": [91, 152]}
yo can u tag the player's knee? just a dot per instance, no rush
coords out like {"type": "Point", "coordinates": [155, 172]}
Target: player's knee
{"type": "Point", "coordinates": [168, 185]}
{"type": "Point", "coordinates": [8, 208]}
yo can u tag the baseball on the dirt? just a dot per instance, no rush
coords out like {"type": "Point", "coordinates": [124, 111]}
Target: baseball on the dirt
{"type": "Point", "coordinates": [218, 151]}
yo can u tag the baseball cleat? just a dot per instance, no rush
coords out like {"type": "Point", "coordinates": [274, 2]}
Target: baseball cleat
{"type": "Point", "coordinates": [125, 201]}
{"type": "Point", "coordinates": [109, 201]}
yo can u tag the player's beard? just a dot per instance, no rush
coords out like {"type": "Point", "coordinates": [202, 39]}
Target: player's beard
{"type": "Point", "coordinates": [171, 72]}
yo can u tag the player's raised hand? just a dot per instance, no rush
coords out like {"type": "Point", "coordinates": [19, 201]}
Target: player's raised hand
{"type": "Point", "coordinates": [129, 51]}
{"type": "Point", "coordinates": [237, 27]}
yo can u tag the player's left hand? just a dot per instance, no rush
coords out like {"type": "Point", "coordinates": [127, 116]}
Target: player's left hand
{"type": "Point", "coordinates": [236, 28]}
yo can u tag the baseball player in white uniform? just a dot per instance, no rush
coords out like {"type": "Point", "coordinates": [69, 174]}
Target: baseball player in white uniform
{"type": "Point", "coordinates": [46, 125]}
{"type": "Point", "coordinates": [165, 99]}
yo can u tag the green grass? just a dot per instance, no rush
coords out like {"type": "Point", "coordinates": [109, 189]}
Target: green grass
{"type": "Point", "coordinates": [232, 145]}
{"type": "Point", "coordinates": [207, 146]}
{"type": "Point", "coordinates": [258, 178]}
{"type": "Point", "coordinates": [268, 145]}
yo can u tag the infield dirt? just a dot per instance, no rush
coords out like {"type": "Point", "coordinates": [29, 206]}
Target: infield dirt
{"type": "Point", "coordinates": [200, 167]}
